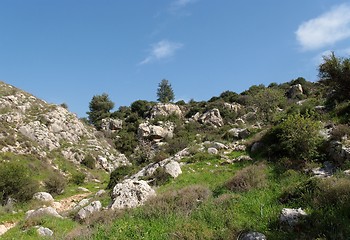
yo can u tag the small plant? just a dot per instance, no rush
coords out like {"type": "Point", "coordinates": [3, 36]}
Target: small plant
{"type": "Point", "coordinates": [78, 178]}
{"type": "Point", "coordinates": [89, 161]}
{"type": "Point", "coordinates": [55, 184]}
{"type": "Point", "coordinates": [16, 182]}
{"type": "Point", "coordinates": [248, 178]}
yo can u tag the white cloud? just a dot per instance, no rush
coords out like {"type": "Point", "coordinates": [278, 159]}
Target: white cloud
{"type": "Point", "coordinates": [161, 50]}
{"type": "Point", "coordinates": [177, 4]}
{"type": "Point", "coordinates": [325, 30]}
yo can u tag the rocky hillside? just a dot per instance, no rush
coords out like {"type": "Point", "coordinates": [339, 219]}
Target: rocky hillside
{"type": "Point", "coordinates": [29, 125]}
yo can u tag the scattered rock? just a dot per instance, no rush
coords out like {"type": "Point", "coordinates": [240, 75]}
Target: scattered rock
{"type": "Point", "coordinates": [292, 216]}
{"type": "Point", "coordinates": [111, 125]}
{"type": "Point", "coordinates": [130, 194]}
{"type": "Point", "coordinates": [252, 236]}
{"type": "Point", "coordinates": [235, 107]}
{"type": "Point", "coordinates": [82, 189]}
{"type": "Point", "coordinates": [45, 232]}
{"type": "Point", "coordinates": [238, 133]}
{"type": "Point", "coordinates": [173, 168]}
{"type": "Point", "coordinates": [100, 193]}
{"type": "Point", "coordinates": [42, 211]}
{"type": "Point", "coordinates": [212, 118]}
{"type": "Point", "coordinates": [243, 158]}
{"type": "Point", "coordinates": [43, 196]}
{"type": "Point", "coordinates": [154, 132]}
{"type": "Point", "coordinates": [85, 212]}
{"type": "Point", "coordinates": [213, 151]}
{"type": "Point", "coordinates": [323, 172]}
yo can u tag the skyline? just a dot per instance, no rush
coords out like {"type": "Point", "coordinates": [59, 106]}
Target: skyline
{"type": "Point", "coordinates": [67, 52]}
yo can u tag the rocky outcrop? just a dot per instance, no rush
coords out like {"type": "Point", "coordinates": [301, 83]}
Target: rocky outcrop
{"type": "Point", "coordinates": [32, 126]}
{"type": "Point", "coordinates": [165, 109]}
{"type": "Point", "coordinates": [130, 194]}
{"type": "Point", "coordinates": [212, 118]}
{"type": "Point", "coordinates": [155, 132]}
{"type": "Point", "coordinates": [295, 90]}
{"type": "Point", "coordinates": [235, 107]}
{"type": "Point", "coordinates": [238, 133]}
{"type": "Point", "coordinates": [87, 211]}
{"type": "Point", "coordinates": [111, 125]}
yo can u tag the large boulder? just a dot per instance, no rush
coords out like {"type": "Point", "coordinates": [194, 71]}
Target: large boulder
{"type": "Point", "coordinates": [295, 90]}
{"type": "Point", "coordinates": [165, 109]}
{"type": "Point", "coordinates": [130, 194]}
{"type": "Point", "coordinates": [43, 196]}
{"type": "Point", "coordinates": [155, 132]}
{"type": "Point", "coordinates": [50, 211]}
{"type": "Point", "coordinates": [212, 117]}
{"type": "Point", "coordinates": [238, 133]}
{"type": "Point", "coordinates": [111, 125]}
{"type": "Point", "coordinates": [87, 211]}
{"type": "Point", "coordinates": [173, 168]}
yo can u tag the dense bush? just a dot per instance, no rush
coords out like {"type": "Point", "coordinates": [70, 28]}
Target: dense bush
{"type": "Point", "coordinates": [89, 161]}
{"type": "Point", "coordinates": [297, 137]}
{"type": "Point", "coordinates": [248, 178]}
{"type": "Point", "coordinates": [16, 182]}
{"type": "Point", "coordinates": [55, 183]}
{"type": "Point", "coordinates": [118, 174]}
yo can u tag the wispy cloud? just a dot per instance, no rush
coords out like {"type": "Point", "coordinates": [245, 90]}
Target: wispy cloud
{"type": "Point", "coordinates": [177, 4]}
{"type": "Point", "coordinates": [161, 50]}
{"type": "Point", "coordinates": [325, 30]}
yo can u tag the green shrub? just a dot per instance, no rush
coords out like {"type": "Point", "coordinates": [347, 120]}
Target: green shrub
{"type": "Point", "coordinates": [56, 183]}
{"type": "Point", "coordinates": [118, 174]}
{"type": "Point", "coordinates": [16, 182]}
{"type": "Point", "coordinates": [248, 178]}
{"type": "Point", "coordinates": [159, 177]}
{"type": "Point", "coordinates": [340, 131]}
{"type": "Point", "coordinates": [89, 161]}
{"type": "Point", "coordinates": [78, 178]}
{"type": "Point", "coordinates": [297, 137]}
{"type": "Point", "coordinates": [200, 157]}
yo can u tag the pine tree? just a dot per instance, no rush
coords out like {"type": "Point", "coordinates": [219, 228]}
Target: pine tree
{"type": "Point", "coordinates": [165, 92]}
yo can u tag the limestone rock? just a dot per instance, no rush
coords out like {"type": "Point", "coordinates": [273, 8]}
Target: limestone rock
{"type": "Point", "coordinates": [173, 168]}
{"type": "Point", "coordinates": [252, 236]}
{"type": "Point", "coordinates": [294, 91]}
{"type": "Point", "coordinates": [235, 107]}
{"type": "Point", "coordinates": [43, 196]}
{"type": "Point", "coordinates": [85, 212]}
{"type": "Point", "coordinates": [213, 151]}
{"type": "Point", "coordinates": [130, 194]}
{"type": "Point", "coordinates": [292, 216]}
{"type": "Point", "coordinates": [3, 229]}
{"type": "Point", "coordinates": [165, 109]}
{"type": "Point", "coordinates": [155, 132]}
{"type": "Point", "coordinates": [110, 124]}
{"type": "Point", "coordinates": [212, 118]}
{"type": "Point", "coordinates": [45, 232]}
{"type": "Point", "coordinates": [42, 211]}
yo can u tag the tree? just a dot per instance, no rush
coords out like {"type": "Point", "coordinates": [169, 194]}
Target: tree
{"type": "Point", "coordinates": [334, 72]}
{"type": "Point", "coordinates": [100, 107]}
{"type": "Point", "coordinates": [165, 92]}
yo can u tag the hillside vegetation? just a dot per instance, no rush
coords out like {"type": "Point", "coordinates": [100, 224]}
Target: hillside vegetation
{"type": "Point", "coordinates": [271, 162]}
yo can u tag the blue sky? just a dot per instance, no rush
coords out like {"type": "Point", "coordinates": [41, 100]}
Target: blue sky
{"type": "Point", "coordinates": [69, 50]}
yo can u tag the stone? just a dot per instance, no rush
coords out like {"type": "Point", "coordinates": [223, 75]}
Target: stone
{"type": "Point", "coordinates": [154, 132]}
{"type": "Point", "coordinates": [87, 211]}
{"type": "Point", "coordinates": [165, 109]}
{"type": "Point", "coordinates": [43, 196]}
{"type": "Point", "coordinates": [294, 91]}
{"type": "Point", "coordinates": [45, 232]}
{"type": "Point", "coordinates": [110, 124]}
{"type": "Point", "coordinates": [173, 168]}
{"type": "Point", "coordinates": [235, 107]}
{"type": "Point", "coordinates": [213, 151]}
{"type": "Point", "coordinates": [252, 236]}
{"type": "Point", "coordinates": [84, 202]}
{"type": "Point", "coordinates": [212, 117]}
{"type": "Point", "coordinates": [238, 133]}
{"type": "Point", "coordinates": [82, 189]}
{"type": "Point", "coordinates": [3, 229]}
{"type": "Point", "coordinates": [130, 194]}
{"type": "Point", "coordinates": [100, 193]}
{"type": "Point", "coordinates": [292, 216]}
{"type": "Point", "coordinates": [42, 211]}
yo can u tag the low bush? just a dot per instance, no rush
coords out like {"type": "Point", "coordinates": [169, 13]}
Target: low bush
{"type": "Point", "coordinates": [248, 178]}
{"type": "Point", "coordinates": [56, 183]}
{"type": "Point", "coordinates": [16, 182]}
{"type": "Point", "coordinates": [159, 177]}
{"type": "Point", "coordinates": [178, 202]}
{"type": "Point", "coordinates": [118, 174]}
{"type": "Point", "coordinates": [89, 161]}
{"type": "Point", "coordinates": [78, 178]}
